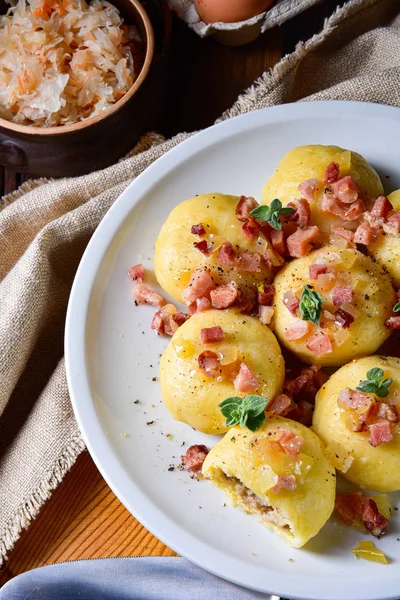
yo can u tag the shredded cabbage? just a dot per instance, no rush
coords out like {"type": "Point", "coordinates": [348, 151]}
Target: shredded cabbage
{"type": "Point", "coordinates": [62, 61]}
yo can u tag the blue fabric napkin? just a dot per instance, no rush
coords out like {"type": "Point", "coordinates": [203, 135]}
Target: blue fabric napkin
{"type": "Point", "coordinates": [155, 578]}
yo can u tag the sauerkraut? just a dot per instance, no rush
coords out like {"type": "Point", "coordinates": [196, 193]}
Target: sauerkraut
{"type": "Point", "coordinates": [62, 61]}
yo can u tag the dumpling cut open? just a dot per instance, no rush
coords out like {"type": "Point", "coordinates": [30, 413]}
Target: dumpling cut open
{"type": "Point", "coordinates": [279, 473]}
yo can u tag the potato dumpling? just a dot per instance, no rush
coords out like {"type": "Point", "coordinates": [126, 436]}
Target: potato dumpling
{"type": "Point", "coordinates": [176, 257]}
{"type": "Point", "coordinates": [309, 162]}
{"type": "Point", "coordinates": [357, 299]}
{"type": "Point", "coordinates": [375, 468]}
{"type": "Point", "coordinates": [386, 249]}
{"type": "Point", "coordinates": [249, 468]}
{"type": "Point", "coordinates": [190, 395]}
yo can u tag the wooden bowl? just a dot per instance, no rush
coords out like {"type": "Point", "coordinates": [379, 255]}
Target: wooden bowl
{"type": "Point", "coordinates": [101, 140]}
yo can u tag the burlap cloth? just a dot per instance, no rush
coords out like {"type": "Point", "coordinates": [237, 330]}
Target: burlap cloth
{"type": "Point", "coordinates": [45, 226]}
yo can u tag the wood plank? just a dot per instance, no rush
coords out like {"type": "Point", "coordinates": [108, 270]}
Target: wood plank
{"type": "Point", "coordinates": [11, 181]}
{"type": "Point", "coordinates": [83, 519]}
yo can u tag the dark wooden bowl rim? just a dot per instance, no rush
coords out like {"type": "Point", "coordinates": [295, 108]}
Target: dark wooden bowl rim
{"type": "Point", "coordinates": [62, 129]}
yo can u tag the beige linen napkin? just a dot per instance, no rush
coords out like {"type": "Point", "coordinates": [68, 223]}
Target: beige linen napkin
{"type": "Point", "coordinates": [45, 226]}
{"type": "Point", "coordinates": [280, 12]}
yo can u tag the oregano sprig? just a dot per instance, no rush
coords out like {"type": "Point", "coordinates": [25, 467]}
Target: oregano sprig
{"type": "Point", "coordinates": [246, 412]}
{"type": "Point", "coordinates": [272, 213]}
{"type": "Point", "coordinates": [311, 305]}
{"type": "Point", "coordinates": [375, 383]}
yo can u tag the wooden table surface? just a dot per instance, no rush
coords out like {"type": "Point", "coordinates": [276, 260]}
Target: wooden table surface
{"type": "Point", "coordinates": [83, 518]}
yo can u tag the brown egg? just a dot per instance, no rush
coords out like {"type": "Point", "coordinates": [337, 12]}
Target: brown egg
{"type": "Point", "coordinates": [230, 11]}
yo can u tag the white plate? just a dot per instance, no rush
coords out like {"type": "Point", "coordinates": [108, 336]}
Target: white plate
{"type": "Point", "coordinates": [112, 357]}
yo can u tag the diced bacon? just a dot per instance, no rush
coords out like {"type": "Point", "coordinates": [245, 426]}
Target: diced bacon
{"type": "Point", "coordinates": [157, 323]}
{"type": "Point", "coordinates": [204, 247]}
{"type": "Point", "coordinates": [354, 211]}
{"type": "Point", "coordinates": [393, 323]}
{"type": "Point", "coordinates": [265, 314]}
{"type": "Point", "coordinates": [364, 234]}
{"type": "Point", "coordinates": [331, 173]}
{"type": "Point", "coordinates": [291, 302]}
{"type": "Point", "coordinates": [245, 206]}
{"type": "Point", "coordinates": [210, 364]}
{"type": "Point", "coordinates": [198, 229]}
{"type": "Point", "coordinates": [303, 212]}
{"type": "Point", "coordinates": [307, 188]}
{"type": "Point", "coordinates": [246, 380]}
{"type": "Point", "coordinates": [297, 330]}
{"type": "Point", "coordinates": [288, 227]}
{"type": "Point", "coordinates": [395, 217]}
{"type": "Point", "coordinates": [319, 344]}
{"type": "Point", "coordinates": [373, 520]}
{"type": "Point", "coordinates": [202, 304]}
{"type": "Point", "coordinates": [353, 508]}
{"type": "Point", "coordinates": [180, 318]}
{"type": "Point", "coordinates": [248, 262]}
{"type": "Point", "coordinates": [266, 297]}
{"type": "Point", "coordinates": [315, 270]}
{"type": "Point", "coordinates": [302, 241]}
{"type": "Point", "coordinates": [391, 227]}
{"type": "Point", "coordinates": [341, 295]}
{"type": "Point", "coordinates": [344, 233]}
{"type": "Point", "coordinates": [307, 384]}
{"type": "Point", "coordinates": [382, 207]}
{"type": "Point", "coordinates": [212, 335]}
{"type": "Point", "coordinates": [225, 295]}
{"type": "Point", "coordinates": [251, 228]}
{"type": "Point", "coordinates": [144, 295]}
{"type": "Point", "coordinates": [226, 254]}
{"type": "Point", "coordinates": [375, 222]}
{"type": "Point", "coordinates": [366, 418]}
{"type": "Point", "coordinates": [137, 273]}
{"type": "Point", "coordinates": [345, 190]}
{"type": "Point", "coordinates": [278, 241]}
{"type": "Point", "coordinates": [352, 399]}
{"type": "Point", "coordinates": [281, 405]}
{"type": "Point", "coordinates": [379, 433]}
{"type": "Point", "coordinates": [343, 318]}
{"type": "Point", "coordinates": [194, 458]}
{"type": "Point", "coordinates": [285, 482]}
{"type": "Point", "coordinates": [289, 442]}
{"type": "Point", "coordinates": [305, 412]}
{"type": "Point", "coordinates": [331, 205]}
{"type": "Point", "coordinates": [388, 412]}
{"type": "Point", "coordinates": [201, 283]}
{"type": "Point", "coordinates": [272, 259]}
{"type": "Point", "coordinates": [166, 320]}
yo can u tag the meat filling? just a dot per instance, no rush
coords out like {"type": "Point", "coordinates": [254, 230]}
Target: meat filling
{"type": "Point", "coordinates": [255, 504]}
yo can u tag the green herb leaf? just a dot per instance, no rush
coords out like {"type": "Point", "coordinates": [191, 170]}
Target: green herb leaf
{"type": "Point", "coordinates": [276, 205]}
{"type": "Point", "coordinates": [230, 405]}
{"type": "Point", "coordinates": [254, 423]}
{"type": "Point", "coordinates": [261, 212]}
{"type": "Point", "coordinates": [396, 307]}
{"type": "Point", "coordinates": [375, 374]}
{"type": "Point", "coordinates": [367, 386]}
{"type": "Point", "coordinates": [311, 305]}
{"type": "Point", "coordinates": [374, 383]}
{"type": "Point", "coordinates": [247, 411]}
{"type": "Point", "coordinates": [255, 405]}
{"type": "Point", "coordinates": [286, 211]}
{"type": "Point", "coordinates": [271, 214]}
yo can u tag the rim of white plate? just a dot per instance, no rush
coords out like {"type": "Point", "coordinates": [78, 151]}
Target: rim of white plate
{"type": "Point", "coordinates": [104, 456]}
